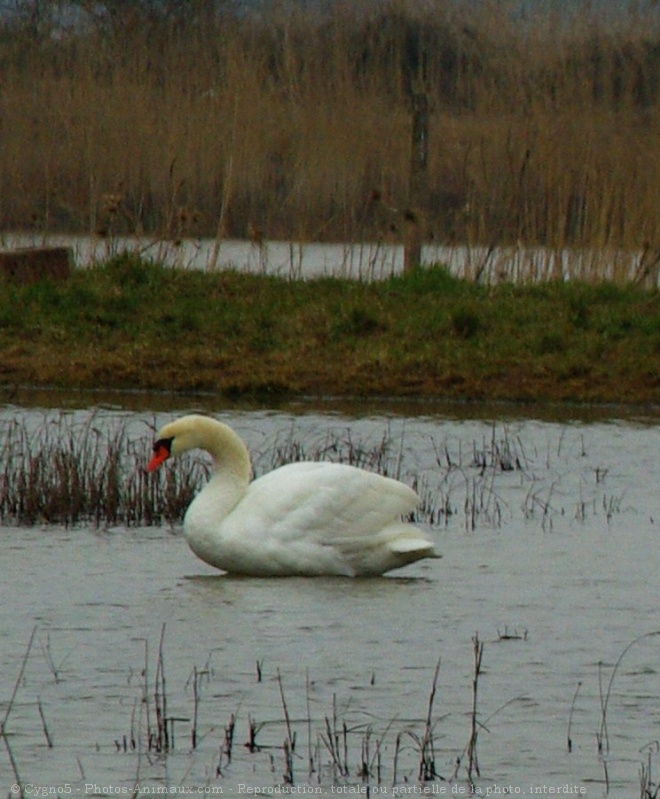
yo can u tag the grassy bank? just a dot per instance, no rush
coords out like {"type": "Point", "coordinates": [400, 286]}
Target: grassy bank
{"type": "Point", "coordinates": [288, 122]}
{"type": "Point", "coordinates": [130, 324]}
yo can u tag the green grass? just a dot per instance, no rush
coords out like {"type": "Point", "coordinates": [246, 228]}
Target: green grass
{"type": "Point", "coordinates": [133, 324]}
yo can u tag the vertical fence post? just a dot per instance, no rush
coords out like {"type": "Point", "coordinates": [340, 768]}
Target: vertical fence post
{"type": "Point", "coordinates": [418, 180]}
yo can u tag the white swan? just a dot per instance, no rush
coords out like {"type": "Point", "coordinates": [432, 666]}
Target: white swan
{"type": "Point", "coordinates": [305, 518]}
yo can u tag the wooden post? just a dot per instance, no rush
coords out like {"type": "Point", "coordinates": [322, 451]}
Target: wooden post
{"type": "Point", "coordinates": [418, 180]}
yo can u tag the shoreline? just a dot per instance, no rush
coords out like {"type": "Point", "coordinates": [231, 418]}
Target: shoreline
{"type": "Point", "coordinates": [135, 327]}
{"type": "Point", "coordinates": [163, 400]}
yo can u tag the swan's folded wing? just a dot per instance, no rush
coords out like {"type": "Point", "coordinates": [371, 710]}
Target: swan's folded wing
{"type": "Point", "coordinates": [321, 518]}
{"type": "Point", "coordinates": [324, 502]}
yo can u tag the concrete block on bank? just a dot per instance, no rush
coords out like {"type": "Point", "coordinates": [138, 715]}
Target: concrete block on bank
{"type": "Point", "coordinates": [29, 264]}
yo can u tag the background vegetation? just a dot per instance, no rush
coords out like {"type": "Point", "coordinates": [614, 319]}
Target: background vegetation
{"type": "Point", "coordinates": [131, 324]}
{"type": "Point", "coordinates": [202, 118]}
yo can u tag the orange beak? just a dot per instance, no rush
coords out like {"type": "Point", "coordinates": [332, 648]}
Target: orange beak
{"type": "Point", "coordinates": [161, 454]}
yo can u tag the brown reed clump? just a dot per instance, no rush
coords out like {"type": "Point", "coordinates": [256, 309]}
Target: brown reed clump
{"type": "Point", "coordinates": [287, 121]}
{"type": "Point", "coordinates": [60, 472]}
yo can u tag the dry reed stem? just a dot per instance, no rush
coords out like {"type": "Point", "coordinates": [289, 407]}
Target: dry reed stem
{"type": "Point", "coordinates": [290, 735]}
{"type": "Point", "coordinates": [44, 724]}
{"type": "Point", "coordinates": [10, 706]}
{"type": "Point", "coordinates": [569, 739]}
{"type": "Point", "coordinates": [602, 736]}
{"type": "Point", "coordinates": [473, 761]}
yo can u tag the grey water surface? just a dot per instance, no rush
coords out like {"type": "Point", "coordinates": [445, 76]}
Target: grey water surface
{"type": "Point", "coordinates": [549, 533]}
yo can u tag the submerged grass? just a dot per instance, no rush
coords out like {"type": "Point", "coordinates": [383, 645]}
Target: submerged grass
{"type": "Point", "coordinates": [128, 323]}
{"type": "Point", "coordinates": [343, 749]}
{"type": "Point", "coordinates": [352, 747]}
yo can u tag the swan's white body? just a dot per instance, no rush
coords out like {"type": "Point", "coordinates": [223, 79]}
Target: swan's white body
{"type": "Point", "coordinates": [306, 519]}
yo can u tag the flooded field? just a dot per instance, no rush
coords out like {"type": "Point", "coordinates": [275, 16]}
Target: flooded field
{"type": "Point", "coordinates": [124, 659]}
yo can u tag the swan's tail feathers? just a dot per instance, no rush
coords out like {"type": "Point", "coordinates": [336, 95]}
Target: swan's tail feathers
{"type": "Point", "coordinates": [407, 544]}
{"type": "Point", "coordinates": [395, 546]}
{"type": "Point", "coordinates": [404, 538]}
{"type": "Point", "coordinates": [423, 546]}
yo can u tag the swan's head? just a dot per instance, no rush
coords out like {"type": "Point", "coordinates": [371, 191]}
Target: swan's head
{"type": "Point", "coordinates": [201, 432]}
{"type": "Point", "coordinates": [189, 432]}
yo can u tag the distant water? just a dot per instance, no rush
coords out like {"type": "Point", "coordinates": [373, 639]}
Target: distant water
{"type": "Point", "coordinates": [366, 261]}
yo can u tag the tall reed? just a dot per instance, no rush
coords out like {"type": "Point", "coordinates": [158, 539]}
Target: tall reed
{"type": "Point", "coordinates": [283, 123]}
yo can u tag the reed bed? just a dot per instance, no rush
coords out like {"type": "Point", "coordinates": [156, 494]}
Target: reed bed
{"type": "Point", "coordinates": [60, 472]}
{"type": "Point", "coordinates": [296, 123]}
{"type": "Point", "coordinates": [65, 472]}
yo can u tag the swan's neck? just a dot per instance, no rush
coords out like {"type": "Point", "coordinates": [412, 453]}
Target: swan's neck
{"type": "Point", "coordinates": [231, 459]}
{"type": "Point", "coordinates": [225, 489]}
{"type": "Point", "coordinates": [203, 522]}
